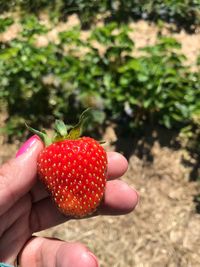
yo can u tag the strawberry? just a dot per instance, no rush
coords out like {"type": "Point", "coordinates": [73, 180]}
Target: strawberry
{"type": "Point", "coordinates": [73, 169]}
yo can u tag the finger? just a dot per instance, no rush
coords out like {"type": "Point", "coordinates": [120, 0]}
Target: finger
{"type": "Point", "coordinates": [45, 214]}
{"type": "Point", "coordinates": [119, 199]}
{"type": "Point", "coordinates": [117, 166]}
{"type": "Point", "coordinates": [42, 252]}
{"type": "Point", "coordinates": [38, 192]}
{"type": "Point", "coordinates": [18, 175]}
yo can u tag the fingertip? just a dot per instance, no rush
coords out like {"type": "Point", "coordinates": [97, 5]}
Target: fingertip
{"type": "Point", "coordinates": [117, 165]}
{"type": "Point", "coordinates": [132, 199]}
{"type": "Point", "coordinates": [28, 144]}
{"type": "Point", "coordinates": [76, 254]}
{"type": "Point", "coordinates": [119, 198]}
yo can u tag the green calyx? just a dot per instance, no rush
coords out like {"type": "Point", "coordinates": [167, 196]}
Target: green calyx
{"type": "Point", "coordinates": [63, 131]}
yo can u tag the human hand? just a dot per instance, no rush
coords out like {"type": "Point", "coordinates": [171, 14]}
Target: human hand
{"type": "Point", "coordinates": [25, 208]}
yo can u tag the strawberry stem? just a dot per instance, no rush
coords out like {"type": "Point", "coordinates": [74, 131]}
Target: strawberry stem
{"type": "Point", "coordinates": [61, 130]}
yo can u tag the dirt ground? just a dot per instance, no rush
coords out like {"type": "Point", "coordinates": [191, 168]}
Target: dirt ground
{"type": "Point", "coordinates": [164, 230]}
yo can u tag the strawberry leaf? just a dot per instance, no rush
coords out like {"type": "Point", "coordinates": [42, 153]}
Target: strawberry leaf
{"type": "Point", "coordinates": [60, 128]}
{"type": "Point", "coordinates": [76, 131]}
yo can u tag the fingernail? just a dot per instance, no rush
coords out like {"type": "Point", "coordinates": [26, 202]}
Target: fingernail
{"type": "Point", "coordinates": [27, 145]}
{"type": "Point", "coordinates": [94, 258]}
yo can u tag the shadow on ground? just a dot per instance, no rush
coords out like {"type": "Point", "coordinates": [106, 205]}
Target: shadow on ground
{"type": "Point", "coordinates": [140, 143]}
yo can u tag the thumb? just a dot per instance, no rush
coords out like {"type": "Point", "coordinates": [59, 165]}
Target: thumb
{"type": "Point", "coordinates": [18, 175]}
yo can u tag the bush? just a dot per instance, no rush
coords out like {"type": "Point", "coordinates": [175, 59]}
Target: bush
{"type": "Point", "coordinates": [59, 80]}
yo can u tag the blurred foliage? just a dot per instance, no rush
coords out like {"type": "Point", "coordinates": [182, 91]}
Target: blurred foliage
{"type": "Point", "coordinates": [5, 23]}
{"type": "Point", "coordinates": [41, 79]}
{"type": "Point", "coordinates": [184, 13]}
{"type": "Point", "coordinates": [190, 135]}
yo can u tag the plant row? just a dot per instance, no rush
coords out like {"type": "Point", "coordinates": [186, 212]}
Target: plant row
{"type": "Point", "coordinates": [43, 80]}
{"type": "Point", "coordinates": [184, 13]}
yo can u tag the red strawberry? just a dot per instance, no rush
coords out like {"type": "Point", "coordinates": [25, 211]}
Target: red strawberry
{"type": "Point", "coordinates": [73, 170]}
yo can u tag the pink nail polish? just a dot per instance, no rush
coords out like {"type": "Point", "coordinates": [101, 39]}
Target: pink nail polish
{"type": "Point", "coordinates": [94, 257]}
{"type": "Point", "coordinates": [27, 145]}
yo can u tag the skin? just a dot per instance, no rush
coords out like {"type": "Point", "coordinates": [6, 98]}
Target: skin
{"type": "Point", "coordinates": [25, 208]}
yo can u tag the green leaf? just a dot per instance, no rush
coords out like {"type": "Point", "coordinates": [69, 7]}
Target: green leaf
{"type": "Point", "coordinates": [60, 128]}
{"type": "Point", "coordinates": [5, 23]}
{"type": "Point", "coordinates": [166, 121]}
{"type": "Point", "coordinates": [76, 131]}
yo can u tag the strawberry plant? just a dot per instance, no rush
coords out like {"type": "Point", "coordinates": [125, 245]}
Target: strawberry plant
{"type": "Point", "coordinates": [156, 87]}
{"type": "Point", "coordinates": [65, 77]}
{"type": "Point", "coordinates": [25, 69]}
{"type": "Point", "coordinates": [190, 135]}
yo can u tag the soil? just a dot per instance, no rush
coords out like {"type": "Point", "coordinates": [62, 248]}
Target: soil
{"type": "Point", "coordinates": [164, 228]}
